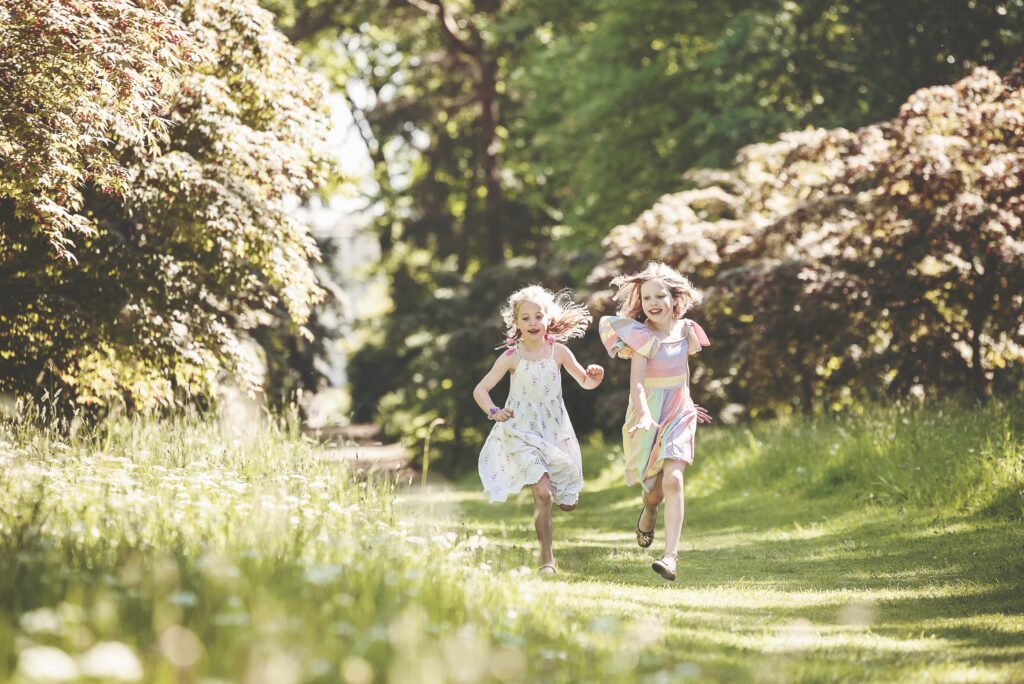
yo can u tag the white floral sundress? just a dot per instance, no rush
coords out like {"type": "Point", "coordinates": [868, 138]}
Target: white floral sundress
{"type": "Point", "coordinates": [538, 440]}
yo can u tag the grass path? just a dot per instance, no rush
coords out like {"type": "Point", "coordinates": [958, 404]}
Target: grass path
{"type": "Point", "coordinates": [773, 585]}
{"type": "Point", "coordinates": [885, 546]}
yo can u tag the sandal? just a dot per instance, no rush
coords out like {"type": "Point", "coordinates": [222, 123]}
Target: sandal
{"type": "Point", "coordinates": [644, 539]}
{"type": "Point", "coordinates": [547, 569]}
{"type": "Point", "coordinates": [666, 566]}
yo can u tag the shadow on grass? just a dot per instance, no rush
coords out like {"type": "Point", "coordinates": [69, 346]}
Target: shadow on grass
{"type": "Point", "coordinates": [902, 587]}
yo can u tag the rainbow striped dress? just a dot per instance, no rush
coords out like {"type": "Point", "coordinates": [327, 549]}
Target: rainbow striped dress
{"type": "Point", "coordinates": [667, 385]}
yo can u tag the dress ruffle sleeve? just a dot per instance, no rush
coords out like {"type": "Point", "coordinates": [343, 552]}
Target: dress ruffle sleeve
{"type": "Point", "coordinates": [696, 336]}
{"type": "Point", "coordinates": [623, 336]}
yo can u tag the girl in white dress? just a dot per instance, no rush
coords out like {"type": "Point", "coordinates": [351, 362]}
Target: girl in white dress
{"type": "Point", "coordinates": [532, 443]}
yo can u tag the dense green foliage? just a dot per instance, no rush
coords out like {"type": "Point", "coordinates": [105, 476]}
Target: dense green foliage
{"type": "Point", "coordinates": [590, 111]}
{"type": "Point", "coordinates": [112, 60]}
{"type": "Point", "coordinates": [146, 204]}
{"type": "Point", "coordinates": [885, 544]}
{"type": "Point", "coordinates": [135, 258]}
{"type": "Point", "coordinates": [617, 105]}
{"type": "Point", "coordinates": [843, 263]}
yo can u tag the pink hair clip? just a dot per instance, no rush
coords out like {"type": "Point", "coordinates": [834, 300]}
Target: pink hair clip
{"type": "Point", "coordinates": [510, 341]}
{"type": "Point", "coordinates": [549, 338]}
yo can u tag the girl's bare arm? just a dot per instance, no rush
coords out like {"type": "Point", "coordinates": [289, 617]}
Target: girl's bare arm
{"type": "Point", "coordinates": [637, 374]}
{"type": "Point", "coordinates": [588, 378]}
{"type": "Point", "coordinates": [481, 393]}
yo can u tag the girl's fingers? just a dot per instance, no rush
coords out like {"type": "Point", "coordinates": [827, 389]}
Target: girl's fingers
{"type": "Point", "coordinates": [650, 425]}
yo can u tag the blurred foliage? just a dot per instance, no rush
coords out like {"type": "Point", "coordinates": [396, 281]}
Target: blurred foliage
{"type": "Point", "coordinates": [619, 103]}
{"type": "Point", "coordinates": [139, 260]}
{"type": "Point", "coordinates": [881, 261]}
{"type": "Point", "coordinates": [441, 348]}
{"type": "Point", "coordinates": [587, 113]}
{"type": "Point", "coordinates": [134, 259]}
{"type": "Point", "coordinates": [426, 85]}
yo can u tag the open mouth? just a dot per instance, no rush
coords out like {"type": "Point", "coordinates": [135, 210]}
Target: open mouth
{"type": "Point", "coordinates": [533, 332]}
{"type": "Point", "coordinates": [655, 311]}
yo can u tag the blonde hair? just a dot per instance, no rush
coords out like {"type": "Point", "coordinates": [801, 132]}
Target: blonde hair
{"type": "Point", "coordinates": [566, 318]}
{"type": "Point", "coordinates": [627, 294]}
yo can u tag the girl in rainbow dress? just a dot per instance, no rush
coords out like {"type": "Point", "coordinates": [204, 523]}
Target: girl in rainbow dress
{"type": "Point", "coordinates": [661, 418]}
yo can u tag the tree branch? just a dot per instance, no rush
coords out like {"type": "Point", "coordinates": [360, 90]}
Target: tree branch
{"type": "Point", "coordinates": [449, 27]}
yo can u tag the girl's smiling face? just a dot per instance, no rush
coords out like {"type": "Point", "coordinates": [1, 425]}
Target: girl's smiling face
{"type": "Point", "coordinates": [531, 321]}
{"type": "Point", "coordinates": [656, 301]}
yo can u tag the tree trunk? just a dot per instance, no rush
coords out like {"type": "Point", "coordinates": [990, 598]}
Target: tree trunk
{"type": "Point", "coordinates": [984, 297]}
{"type": "Point", "coordinates": [979, 381]}
{"type": "Point", "coordinates": [487, 94]}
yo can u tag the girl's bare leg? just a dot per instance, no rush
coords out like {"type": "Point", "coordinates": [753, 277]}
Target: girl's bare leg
{"type": "Point", "coordinates": [542, 500]}
{"type": "Point", "coordinates": [672, 485]}
{"type": "Point", "coordinates": [651, 501]}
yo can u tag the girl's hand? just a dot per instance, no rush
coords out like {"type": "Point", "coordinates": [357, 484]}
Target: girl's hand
{"type": "Point", "coordinates": [645, 423]}
{"type": "Point", "coordinates": [596, 372]}
{"type": "Point", "coordinates": [702, 415]}
{"type": "Point", "coordinates": [502, 415]}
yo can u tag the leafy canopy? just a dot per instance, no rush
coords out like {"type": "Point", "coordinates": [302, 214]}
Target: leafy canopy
{"type": "Point", "coordinates": [147, 289]}
{"type": "Point", "coordinates": [848, 263]}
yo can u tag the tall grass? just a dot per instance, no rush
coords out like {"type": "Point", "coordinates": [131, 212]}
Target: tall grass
{"type": "Point", "coordinates": [184, 550]}
{"type": "Point", "coordinates": [951, 458]}
{"type": "Point", "coordinates": [180, 550]}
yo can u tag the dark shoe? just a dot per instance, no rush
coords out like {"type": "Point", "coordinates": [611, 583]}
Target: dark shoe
{"type": "Point", "coordinates": [666, 567]}
{"type": "Point", "coordinates": [644, 539]}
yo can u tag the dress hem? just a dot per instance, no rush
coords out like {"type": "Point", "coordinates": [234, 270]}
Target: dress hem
{"type": "Point", "coordinates": [560, 496]}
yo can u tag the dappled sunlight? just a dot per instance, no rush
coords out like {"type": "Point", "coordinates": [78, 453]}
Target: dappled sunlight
{"type": "Point", "coordinates": [751, 596]}
{"type": "Point", "coordinates": [255, 260]}
{"type": "Point", "coordinates": [794, 584]}
{"type": "Point", "coordinates": [739, 536]}
{"type": "Point", "coordinates": [208, 541]}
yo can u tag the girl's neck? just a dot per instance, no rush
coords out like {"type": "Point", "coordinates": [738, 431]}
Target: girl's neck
{"type": "Point", "coordinates": [666, 329]}
{"type": "Point", "coordinates": [532, 348]}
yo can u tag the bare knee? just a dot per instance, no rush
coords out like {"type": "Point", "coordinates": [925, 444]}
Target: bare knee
{"type": "Point", "coordinates": [542, 495]}
{"type": "Point", "coordinates": [567, 507]}
{"type": "Point", "coordinates": [672, 482]}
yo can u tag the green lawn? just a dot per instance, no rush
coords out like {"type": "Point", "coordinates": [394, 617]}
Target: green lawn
{"type": "Point", "coordinates": [882, 547]}
{"type": "Point", "coordinates": [774, 587]}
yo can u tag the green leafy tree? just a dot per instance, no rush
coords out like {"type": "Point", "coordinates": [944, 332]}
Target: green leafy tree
{"type": "Point", "coordinates": [111, 60]}
{"type": "Point", "coordinates": [843, 264]}
{"type": "Point", "coordinates": [625, 98]}
{"type": "Point", "coordinates": [196, 245]}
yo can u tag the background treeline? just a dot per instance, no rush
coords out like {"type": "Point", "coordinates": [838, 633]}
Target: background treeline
{"type": "Point", "coordinates": [508, 138]}
{"type": "Point", "coordinates": [151, 155]}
